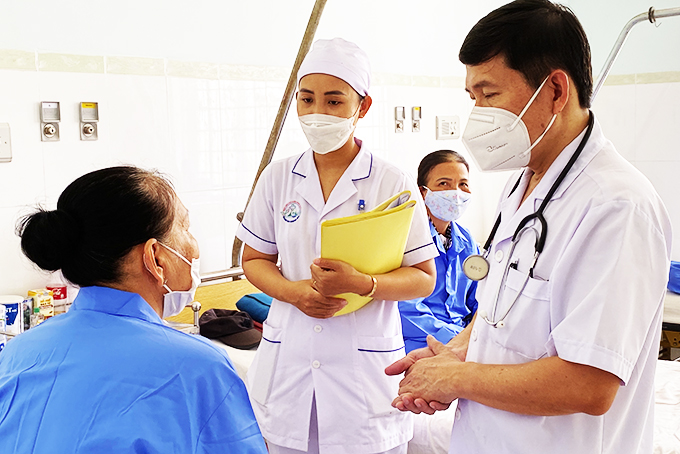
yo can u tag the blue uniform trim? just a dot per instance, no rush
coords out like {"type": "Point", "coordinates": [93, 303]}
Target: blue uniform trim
{"type": "Point", "coordinates": [296, 163]}
{"type": "Point", "coordinates": [370, 167]}
{"type": "Point", "coordinates": [271, 341]}
{"type": "Point", "coordinates": [381, 351]}
{"type": "Point", "coordinates": [415, 249]}
{"type": "Point", "coordinates": [256, 236]}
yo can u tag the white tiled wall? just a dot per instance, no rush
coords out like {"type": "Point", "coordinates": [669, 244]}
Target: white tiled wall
{"type": "Point", "coordinates": [208, 135]}
{"type": "Point", "coordinates": [643, 121]}
{"type": "Point", "coordinates": [206, 122]}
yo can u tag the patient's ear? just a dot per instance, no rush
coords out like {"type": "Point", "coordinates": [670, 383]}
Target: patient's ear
{"type": "Point", "coordinates": [152, 262]}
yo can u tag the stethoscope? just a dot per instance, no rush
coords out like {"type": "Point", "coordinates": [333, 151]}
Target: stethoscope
{"type": "Point", "coordinates": [476, 267]}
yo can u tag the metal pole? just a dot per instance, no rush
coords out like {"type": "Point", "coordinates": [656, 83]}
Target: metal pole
{"type": "Point", "coordinates": [650, 15]}
{"type": "Point", "coordinates": [281, 115]}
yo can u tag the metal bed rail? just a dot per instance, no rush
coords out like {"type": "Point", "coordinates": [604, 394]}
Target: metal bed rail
{"type": "Point", "coordinates": [651, 15]}
{"type": "Point", "coordinates": [232, 273]}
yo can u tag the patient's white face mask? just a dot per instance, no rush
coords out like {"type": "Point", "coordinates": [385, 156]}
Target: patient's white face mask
{"type": "Point", "coordinates": [326, 133]}
{"type": "Point", "coordinates": [176, 300]}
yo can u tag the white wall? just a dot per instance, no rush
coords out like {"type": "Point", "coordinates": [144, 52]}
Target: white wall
{"type": "Point", "coordinates": [192, 89]}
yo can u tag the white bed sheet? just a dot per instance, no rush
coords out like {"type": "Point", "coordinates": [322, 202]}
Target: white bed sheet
{"type": "Point", "coordinates": [431, 434]}
{"type": "Point", "coordinates": [242, 359]}
{"type": "Point", "coordinates": [667, 408]}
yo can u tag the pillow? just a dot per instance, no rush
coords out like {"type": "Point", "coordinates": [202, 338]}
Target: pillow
{"type": "Point", "coordinates": [255, 304]}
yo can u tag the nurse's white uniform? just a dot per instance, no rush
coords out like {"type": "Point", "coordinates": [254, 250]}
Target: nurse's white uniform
{"type": "Point", "coordinates": [596, 298]}
{"type": "Point", "coordinates": [339, 361]}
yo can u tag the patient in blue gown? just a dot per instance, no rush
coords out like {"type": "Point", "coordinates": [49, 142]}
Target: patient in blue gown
{"type": "Point", "coordinates": [109, 375]}
{"type": "Point", "coordinates": [444, 185]}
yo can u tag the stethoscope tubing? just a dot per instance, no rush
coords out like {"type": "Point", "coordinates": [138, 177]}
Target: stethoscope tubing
{"type": "Point", "coordinates": [519, 231]}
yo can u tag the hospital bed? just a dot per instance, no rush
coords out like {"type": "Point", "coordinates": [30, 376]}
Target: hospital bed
{"type": "Point", "coordinates": [432, 433]}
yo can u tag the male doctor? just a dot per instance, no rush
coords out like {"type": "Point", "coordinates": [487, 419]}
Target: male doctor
{"type": "Point", "coordinates": [560, 358]}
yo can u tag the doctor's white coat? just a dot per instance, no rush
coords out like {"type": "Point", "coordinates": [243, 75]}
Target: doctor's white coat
{"type": "Point", "coordinates": [596, 298]}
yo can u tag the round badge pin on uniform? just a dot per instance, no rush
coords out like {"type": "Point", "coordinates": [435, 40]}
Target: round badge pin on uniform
{"type": "Point", "coordinates": [476, 267]}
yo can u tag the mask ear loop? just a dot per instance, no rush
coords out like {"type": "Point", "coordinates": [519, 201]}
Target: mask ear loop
{"type": "Point", "coordinates": [552, 120]}
{"type": "Point", "coordinates": [184, 259]}
{"type": "Point", "coordinates": [356, 112]}
{"type": "Point", "coordinates": [521, 114]}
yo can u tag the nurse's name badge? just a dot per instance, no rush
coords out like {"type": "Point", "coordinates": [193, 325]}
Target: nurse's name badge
{"type": "Point", "coordinates": [291, 212]}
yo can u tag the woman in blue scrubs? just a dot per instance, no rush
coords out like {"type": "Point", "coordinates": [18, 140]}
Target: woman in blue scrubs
{"type": "Point", "coordinates": [109, 375]}
{"type": "Point", "coordinates": [443, 182]}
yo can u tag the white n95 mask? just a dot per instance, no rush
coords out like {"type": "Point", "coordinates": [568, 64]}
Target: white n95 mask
{"type": "Point", "coordinates": [498, 139]}
{"type": "Point", "coordinates": [326, 133]}
{"type": "Point", "coordinates": [175, 301]}
{"type": "Point", "coordinates": [447, 205]}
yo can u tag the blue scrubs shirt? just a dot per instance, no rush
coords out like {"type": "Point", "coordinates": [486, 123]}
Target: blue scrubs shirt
{"type": "Point", "coordinates": [450, 307]}
{"type": "Point", "coordinates": [109, 376]}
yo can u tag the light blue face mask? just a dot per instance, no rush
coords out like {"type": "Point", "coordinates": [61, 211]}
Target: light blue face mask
{"type": "Point", "coordinates": [447, 205]}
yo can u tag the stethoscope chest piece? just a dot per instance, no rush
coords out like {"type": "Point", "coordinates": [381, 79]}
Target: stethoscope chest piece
{"type": "Point", "coordinates": [476, 267]}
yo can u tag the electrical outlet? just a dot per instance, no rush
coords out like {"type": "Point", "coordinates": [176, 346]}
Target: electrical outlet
{"type": "Point", "coordinates": [5, 143]}
{"type": "Point", "coordinates": [448, 127]}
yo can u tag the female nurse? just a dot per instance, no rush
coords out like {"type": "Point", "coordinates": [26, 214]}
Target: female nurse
{"type": "Point", "coordinates": [317, 383]}
{"type": "Point", "coordinates": [443, 181]}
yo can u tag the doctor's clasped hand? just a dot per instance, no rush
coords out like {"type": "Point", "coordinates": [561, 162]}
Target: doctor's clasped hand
{"type": "Point", "coordinates": [421, 390]}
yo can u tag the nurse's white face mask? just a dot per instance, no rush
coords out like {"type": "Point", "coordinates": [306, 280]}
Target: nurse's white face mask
{"type": "Point", "coordinates": [176, 300]}
{"type": "Point", "coordinates": [498, 139]}
{"type": "Point", "coordinates": [326, 133]}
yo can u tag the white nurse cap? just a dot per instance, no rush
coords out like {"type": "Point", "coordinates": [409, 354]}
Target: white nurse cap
{"type": "Point", "coordinates": [339, 58]}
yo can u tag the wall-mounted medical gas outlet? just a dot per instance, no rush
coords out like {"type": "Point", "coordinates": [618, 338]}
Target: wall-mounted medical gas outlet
{"type": "Point", "coordinates": [415, 118]}
{"type": "Point", "coordinates": [89, 116]}
{"type": "Point", "coordinates": [448, 127]}
{"type": "Point", "coordinates": [5, 143]}
{"type": "Point", "coordinates": [50, 116]}
{"type": "Point", "coordinates": [399, 116]}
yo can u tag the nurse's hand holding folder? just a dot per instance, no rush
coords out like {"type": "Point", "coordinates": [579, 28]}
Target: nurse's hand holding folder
{"type": "Point", "coordinates": [355, 249]}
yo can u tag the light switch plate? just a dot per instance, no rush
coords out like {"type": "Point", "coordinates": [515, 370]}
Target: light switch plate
{"type": "Point", "coordinates": [5, 143]}
{"type": "Point", "coordinates": [448, 127]}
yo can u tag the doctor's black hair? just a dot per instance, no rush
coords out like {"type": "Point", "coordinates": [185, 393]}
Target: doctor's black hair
{"type": "Point", "coordinates": [535, 37]}
{"type": "Point", "coordinates": [435, 158]}
{"type": "Point", "coordinates": [99, 218]}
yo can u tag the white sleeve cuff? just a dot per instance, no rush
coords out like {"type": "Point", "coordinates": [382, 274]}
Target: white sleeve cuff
{"type": "Point", "coordinates": [594, 356]}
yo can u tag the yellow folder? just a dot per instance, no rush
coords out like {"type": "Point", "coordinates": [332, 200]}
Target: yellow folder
{"type": "Point", "coordinates": [372, 242]}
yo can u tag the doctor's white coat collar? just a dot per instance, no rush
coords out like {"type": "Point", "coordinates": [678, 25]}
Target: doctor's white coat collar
{"type": "Point", "coordinates": [510, 203]}
{"type": "Point", "coordinates": [309, 186]}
